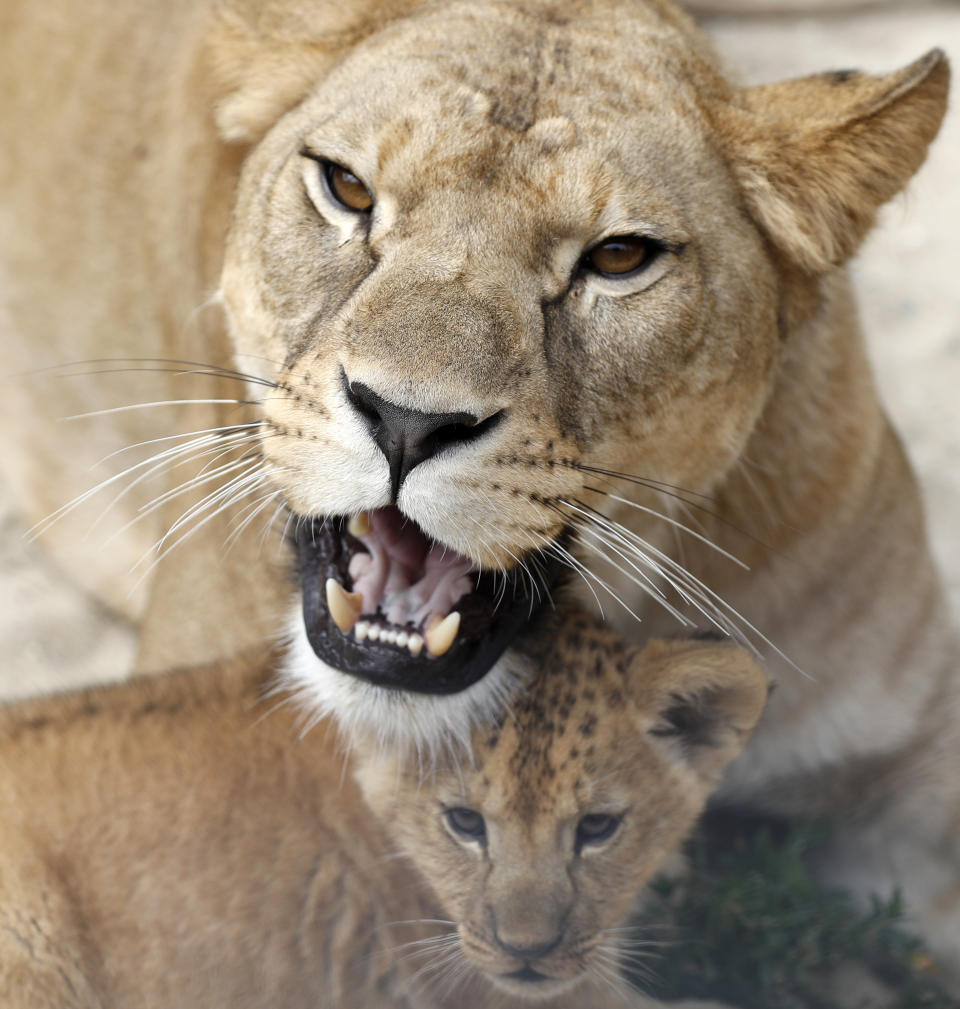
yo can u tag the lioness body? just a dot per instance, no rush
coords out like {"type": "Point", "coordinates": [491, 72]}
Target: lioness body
{"type": "Point", "coordinates": [181, 842]}
{"type": "Point", "coordinates": [737, 372]}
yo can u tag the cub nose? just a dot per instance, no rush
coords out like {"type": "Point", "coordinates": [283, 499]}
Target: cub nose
{"type": "Point", "coordinates": [409, 437]}
{"type": "Point", "coordinates": [527, 948]}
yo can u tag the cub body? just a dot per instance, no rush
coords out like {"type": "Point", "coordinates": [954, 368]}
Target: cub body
{"type": "Point", "coordinates": [181, 841]}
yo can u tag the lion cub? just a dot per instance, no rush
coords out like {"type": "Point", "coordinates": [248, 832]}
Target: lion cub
{"type": "Point", "coordinates": [179, 842]}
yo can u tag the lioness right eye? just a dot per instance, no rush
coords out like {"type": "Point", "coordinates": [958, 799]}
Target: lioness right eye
{"type": "Point", "coordinates": [468, 823]}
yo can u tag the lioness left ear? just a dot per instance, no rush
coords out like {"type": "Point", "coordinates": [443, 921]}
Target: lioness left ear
{"type": "Point", "coordinates": [707, 696]}
{"type": "Point", "coordinates": [817, 156]}
{"type": "Point", "coordinates": [265, 58]}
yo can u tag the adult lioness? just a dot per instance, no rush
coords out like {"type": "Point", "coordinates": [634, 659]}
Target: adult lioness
{"type": "Point", "coordinates": [175, 842]}
{"type": "Point", "coordinates": [505, 277]}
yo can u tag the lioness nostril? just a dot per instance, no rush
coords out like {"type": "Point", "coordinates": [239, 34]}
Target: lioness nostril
{"type": "Point", "coordinates": [408, 437]}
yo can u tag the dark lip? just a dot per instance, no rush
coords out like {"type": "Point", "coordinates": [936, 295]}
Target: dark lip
{"type": "Point", "coordinates": [529, 975]}
{"type": "Point", "coordinates": [322, 554]}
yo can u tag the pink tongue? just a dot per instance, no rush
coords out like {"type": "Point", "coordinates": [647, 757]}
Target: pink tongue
{"type": "Point", "coordinates": [403, 575]}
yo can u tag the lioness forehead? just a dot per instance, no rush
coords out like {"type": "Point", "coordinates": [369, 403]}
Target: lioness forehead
{"type": "Point", "coordinates": [571, 85]}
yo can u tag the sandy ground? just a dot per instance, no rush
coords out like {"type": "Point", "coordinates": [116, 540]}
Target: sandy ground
{"type": "Point", "coordinates": [908, 276]}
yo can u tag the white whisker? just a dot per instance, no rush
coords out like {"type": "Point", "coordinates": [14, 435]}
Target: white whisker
{"type": "Point", "coordinates": [159, 402]}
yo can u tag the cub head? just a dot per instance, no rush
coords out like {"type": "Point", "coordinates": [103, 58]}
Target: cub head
{"type": "Point", "coordinates": [488, 256]}
{"type": "Point", "coordinates": [538, 847]}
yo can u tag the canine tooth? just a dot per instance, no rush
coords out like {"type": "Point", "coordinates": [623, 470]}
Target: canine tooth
{"type": "Point", "coordinates": [362, 629]}
{"type": "Point", "coordinates": [440, 634]}
{"type": "Point", "coordinates": [402, 639]}
{"type": "Point", "coordinates": [359, 525]}
{"type": "Point", "coordinates": [415, 644]}
{"type": "Point", "coordinates": [345, 607]}
{"type": "Point", "coordinates": [374, 633]}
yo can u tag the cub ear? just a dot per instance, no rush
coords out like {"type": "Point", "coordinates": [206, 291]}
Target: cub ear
{"type": "Point", "coordinates": [266, 57]}
{"type": "Point", "coordinates": [705, 696]}
{"type": "Point", "coordinates": [817, 156]}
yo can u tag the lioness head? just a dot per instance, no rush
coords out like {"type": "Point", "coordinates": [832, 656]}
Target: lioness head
{"type": "Point", "coordinates": [495, 253]}
{"type": "Point", "coordinates": [538, 848]}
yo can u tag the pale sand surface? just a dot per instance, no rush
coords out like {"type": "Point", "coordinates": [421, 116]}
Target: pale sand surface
{"type": "Point", "coordinates": [908, 278]}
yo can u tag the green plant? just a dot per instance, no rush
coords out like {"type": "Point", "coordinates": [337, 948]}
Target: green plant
{"type": "Point", "coordinates": [750, 924]}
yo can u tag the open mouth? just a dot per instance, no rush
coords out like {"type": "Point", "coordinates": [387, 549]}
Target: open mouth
{"type": "Point", "coordinates": [384, 602]}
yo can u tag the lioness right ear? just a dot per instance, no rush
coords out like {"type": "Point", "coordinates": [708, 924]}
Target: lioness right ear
{"type": "Point", "coordinates": [817, 156]}
{"type": "Point", "coordinates": [703, 695]}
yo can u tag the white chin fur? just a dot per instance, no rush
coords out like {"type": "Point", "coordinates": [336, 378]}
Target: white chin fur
{"type": "Point", "coordinates": [427, 724]}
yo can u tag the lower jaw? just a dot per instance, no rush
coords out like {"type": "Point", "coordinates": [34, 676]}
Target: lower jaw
{"type": "Point", "coordinates": [429, 724]}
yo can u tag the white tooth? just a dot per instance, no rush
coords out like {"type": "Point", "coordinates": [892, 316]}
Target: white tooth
{"type": "Point", "coordinates": [345, 607]}
{"type": "Point", "coordinates": [359, 525]}
{"type": "Point", "coordinates": [361, 630]}
{"type": "Point", "coordinates": [402, 639]}
{"type": "Point", "coordinates": [440, 634]}
{"type": "Point", "coordinates": [389, 636]}
{"type": "Point", "coordinates": [374, 633]}
{"type": "Point", "coordinates": [415, 644]}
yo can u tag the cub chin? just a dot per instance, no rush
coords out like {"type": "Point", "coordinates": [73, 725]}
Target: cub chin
{"type": "Point", "coordinates": [173, 842]}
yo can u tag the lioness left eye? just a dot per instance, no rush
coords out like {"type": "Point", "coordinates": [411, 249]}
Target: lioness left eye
{"type": "Point", "coordinates": [595, 828]}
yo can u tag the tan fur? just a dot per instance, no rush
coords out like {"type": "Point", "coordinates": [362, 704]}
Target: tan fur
{"type": "Point", "coordinates": [734, 368]}
{"type": "Point", "coordinates": [178, 841]}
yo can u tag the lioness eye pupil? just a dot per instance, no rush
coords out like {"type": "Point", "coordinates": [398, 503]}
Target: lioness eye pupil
{"type": "Point", "coordinates": [617, 256]}
{"type": "Point", "coordinates": [346, 188]}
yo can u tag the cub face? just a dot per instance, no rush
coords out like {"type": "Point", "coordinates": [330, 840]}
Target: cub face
{"type": "Point", "coordinates": [538, 848]}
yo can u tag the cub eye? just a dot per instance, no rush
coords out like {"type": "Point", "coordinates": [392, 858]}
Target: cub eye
{"type": "Point", "coordinates": [345, 188]}
{"type": "Point", "coordinates": [595, 828]}
{"type": "Point", "coordinates": [621, 255]}
{"type": "Point", "coordinates": [468, 823]}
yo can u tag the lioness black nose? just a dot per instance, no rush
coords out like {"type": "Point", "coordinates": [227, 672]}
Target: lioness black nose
{"type": "Point", "coordinates": [409, 437]}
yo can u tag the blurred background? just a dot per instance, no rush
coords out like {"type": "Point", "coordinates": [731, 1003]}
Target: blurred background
{"type": "Point", "coordinates": [907, 276]}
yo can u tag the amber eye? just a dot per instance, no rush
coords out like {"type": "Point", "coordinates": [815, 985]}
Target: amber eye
{"type": "Point", "coordinates": [621, 255]}
{"type": "Point", "coordinates": [345, 188]}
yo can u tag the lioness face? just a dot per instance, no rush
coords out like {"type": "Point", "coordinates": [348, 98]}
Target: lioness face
{"type": "Point", "coordinates": [471, 286]}
{"type": "Point", "coordinates": [538, 848]}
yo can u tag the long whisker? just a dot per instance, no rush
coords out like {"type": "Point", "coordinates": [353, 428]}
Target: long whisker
{"type": "Point", "coordinates": [214, 431]}
{"type": "Point", "coordinates": [159, 402]}
{"type": "Point", "coordinates": [157, 462]}
{"type": "Point", "coordinates": [178, 366]}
